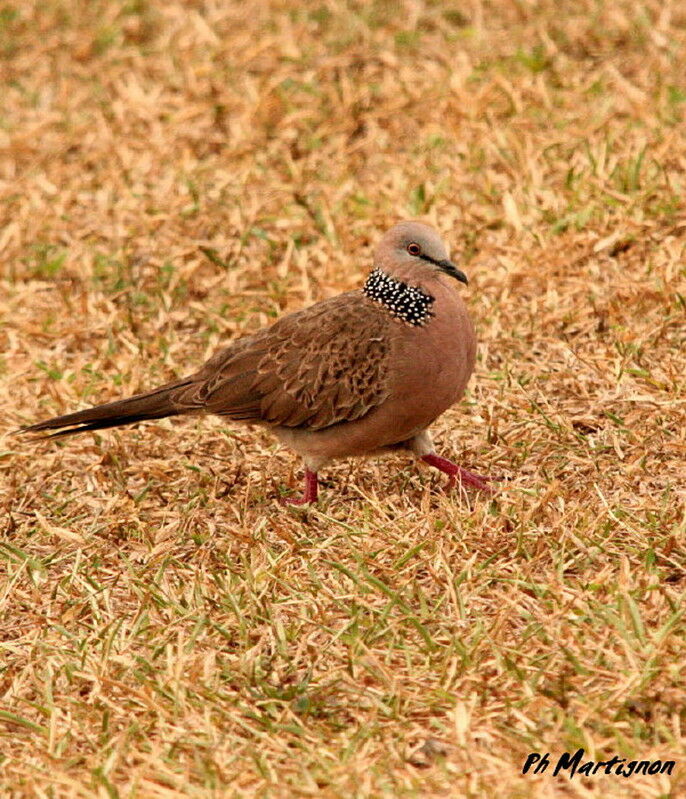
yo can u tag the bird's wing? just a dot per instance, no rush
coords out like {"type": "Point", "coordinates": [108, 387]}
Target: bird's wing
{"type": "Point", "coordinates": [314, 368]}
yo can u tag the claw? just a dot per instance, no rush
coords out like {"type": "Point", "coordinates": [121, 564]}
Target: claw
{"type": "Point", "coordinates": [455, 473]}
{"type": "Point", "coordinates": [309, 494]}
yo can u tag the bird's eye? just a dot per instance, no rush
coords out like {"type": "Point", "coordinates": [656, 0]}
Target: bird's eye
{"type": "Point", "coordinates": [414, 249]}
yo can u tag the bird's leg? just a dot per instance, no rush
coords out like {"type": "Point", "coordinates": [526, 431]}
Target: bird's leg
{"type": "Point", "coordinates": [423, 448]}
{"type": "Point", "coordinates": [456, 473]}
{"type": "Point", "coordinates": [309, 494]}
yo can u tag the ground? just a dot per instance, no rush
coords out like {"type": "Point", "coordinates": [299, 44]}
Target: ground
{"type": "Point", "coordinates": [175, 174]}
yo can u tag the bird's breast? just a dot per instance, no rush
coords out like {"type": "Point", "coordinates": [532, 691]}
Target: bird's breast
{"type": "Point", "coordinates": [434, 362]}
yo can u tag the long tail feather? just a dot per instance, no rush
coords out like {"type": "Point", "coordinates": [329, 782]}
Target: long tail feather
{"type": "Point", "coordinates": [154, 404]}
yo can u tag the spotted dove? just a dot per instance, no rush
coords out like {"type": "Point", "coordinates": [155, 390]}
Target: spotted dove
{"type": "Point", "coordinates": [361, 373]}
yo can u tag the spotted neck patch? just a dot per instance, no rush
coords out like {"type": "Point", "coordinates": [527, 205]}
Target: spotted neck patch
{"type": "Point", "coordinates": [404, 302]}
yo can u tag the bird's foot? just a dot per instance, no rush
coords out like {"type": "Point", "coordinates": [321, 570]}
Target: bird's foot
{"type": "Point", "coordinates": [455, 473]}
{"type": "Point", "coordinates": [309, 494]}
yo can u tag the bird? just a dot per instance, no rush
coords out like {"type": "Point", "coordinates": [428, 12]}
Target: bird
{"type": "Point", "coordinates": [361, 373]}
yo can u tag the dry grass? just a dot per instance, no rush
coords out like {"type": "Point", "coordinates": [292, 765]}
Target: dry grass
{"type": "Point", "coordinates": [174, 174]}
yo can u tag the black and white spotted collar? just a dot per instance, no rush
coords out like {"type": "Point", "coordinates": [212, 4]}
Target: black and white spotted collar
{"type": "Point", "coordinates": [408, 303]}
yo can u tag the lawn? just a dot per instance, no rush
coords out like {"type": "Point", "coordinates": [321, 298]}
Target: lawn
{"type": "Point", "coordinates": [175, 174]}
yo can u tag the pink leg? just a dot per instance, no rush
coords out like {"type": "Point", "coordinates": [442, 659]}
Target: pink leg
{"type": "Point", "coordinates": [310, 493]}
{"type": "Point", "coordinates": [456, 472]}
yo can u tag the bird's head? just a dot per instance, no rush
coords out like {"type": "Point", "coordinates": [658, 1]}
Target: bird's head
{"type": "Point", "coordinates": [410, 248]}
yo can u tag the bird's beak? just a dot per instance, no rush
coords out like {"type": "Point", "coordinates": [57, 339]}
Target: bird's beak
{"type": "Point", "coordinates": [450, 269]}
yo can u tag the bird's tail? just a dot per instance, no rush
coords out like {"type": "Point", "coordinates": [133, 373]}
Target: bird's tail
{"type": "Point", "coordinates": [155, 404]}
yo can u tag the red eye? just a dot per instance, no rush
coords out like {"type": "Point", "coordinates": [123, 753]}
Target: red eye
{"type": "Point", "coordinates": [414, 249]}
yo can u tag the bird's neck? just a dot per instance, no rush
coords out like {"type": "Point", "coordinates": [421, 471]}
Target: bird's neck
{"type": "Point", "coordinates": [410, 304]}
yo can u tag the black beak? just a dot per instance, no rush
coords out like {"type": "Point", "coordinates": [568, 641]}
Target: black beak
{"type": "Point", "coordinates": [450, 269]}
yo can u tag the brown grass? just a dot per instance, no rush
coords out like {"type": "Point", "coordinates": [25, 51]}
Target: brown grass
{"type": "Point", "coordinates": [174, 174]}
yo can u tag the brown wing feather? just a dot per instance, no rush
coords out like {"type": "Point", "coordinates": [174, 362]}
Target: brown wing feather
{"type": "Point", "coordinates": [315, 368]}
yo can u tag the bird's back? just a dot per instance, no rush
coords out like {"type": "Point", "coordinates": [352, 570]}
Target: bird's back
{"type": "Point", "coordinates": [314, 368]}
